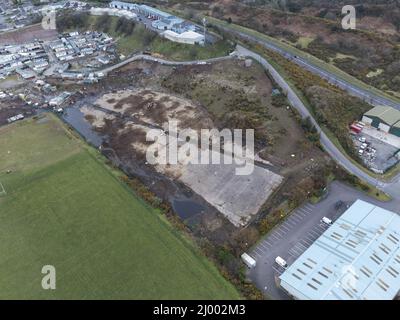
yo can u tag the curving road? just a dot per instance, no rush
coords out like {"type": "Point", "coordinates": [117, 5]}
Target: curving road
{"type": "Point", "coordinates": [162, 61]}
{"type": "Point", "coordinates": [351, 88]}
{"type": "Point", "coordinates": [392, 188]}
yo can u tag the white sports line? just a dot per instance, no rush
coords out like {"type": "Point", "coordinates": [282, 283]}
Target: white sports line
{"type": "Point", "coordinates": [2, 189]}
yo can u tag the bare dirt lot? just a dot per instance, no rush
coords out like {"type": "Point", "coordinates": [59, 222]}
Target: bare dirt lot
{"type": "Point", "coordinates": [237, 197]}
{"type": "Point", "coordinates": [27, 34]}
{"type": "Point", "coordinates": [227, 94]}
{"type": "Point", "coordinates": [12, 107]}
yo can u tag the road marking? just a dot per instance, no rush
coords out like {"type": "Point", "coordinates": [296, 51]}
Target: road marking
{"type": "Point", "coordinates": [288, 225]}
{"type": "Point", "coordinates": [297, 248]}
{"type": "Point", "coordinates": [308, 210]}
{"type": "Point", "coordinates": [297, 252]}
{"type": "Point", "coordinates": [309, 206]}
{"type": "Point", "coordinates": [301, 244]}
{"type": "Point", "coordinates": [310, 238]}
{"type": "Point", "coordinates": [274, 236]}
{"type": "Point", "coordinates": [285, 228]}
{"type": "Point", "coordinates": [257, 250]}
{"type": "Point", "coordinates": [277, 270]}
{"type": "Point", "coordinates": [263, 250]}
{"type": "Point", "coordinates": [280, 232]}
{"type": "Point", "coordinates": [314, 233]}
{"type": "Point", "coordinates": [264, 246]}
{"type": "Point", "coordinates": [293, 222]}
{"type": "Point", "coordinates": [296, 217]}
{"type": "Point", "coordinates": [268, 243]}
{"type": "Point", "coordinates": [303, 214]}
{"type": "Point", "coordinates": [320, 228]}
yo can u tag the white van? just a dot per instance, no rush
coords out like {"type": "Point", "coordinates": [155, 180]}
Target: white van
{"type": "Point", "coordinates": [248, 260]}
{"type": "Point", "coordinates": [326, 220]}
{"type": "Point", "coordinates": [281, 262]}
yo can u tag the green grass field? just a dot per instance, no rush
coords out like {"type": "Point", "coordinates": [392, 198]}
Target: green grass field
{"type": "Point", "coordinates": [64, 207]}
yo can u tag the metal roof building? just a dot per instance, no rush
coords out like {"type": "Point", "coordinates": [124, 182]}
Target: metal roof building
{"type": "Point", "coordinates": [384, 118]}
{"type": "Point", "coordinates": [140, 8]}
{"type": "Point", "coordinates": [188, 37]}
{"type": "Point", "coordinates": [357, 258]}
{"type": "Point", "coordinates": [123, 5]}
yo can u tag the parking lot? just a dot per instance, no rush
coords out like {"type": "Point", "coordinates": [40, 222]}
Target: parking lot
{"type": "Point", "coordinates": [292, 237]}
{"type": "Point", "coordinates": [375, 153]}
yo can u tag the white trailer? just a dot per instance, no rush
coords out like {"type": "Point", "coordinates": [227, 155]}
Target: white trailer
{"type": "Point", "coordinates": [249, 261]}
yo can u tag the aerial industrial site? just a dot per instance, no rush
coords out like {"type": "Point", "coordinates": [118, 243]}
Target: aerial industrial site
{"type": "Point", "coordinates": [219, 150]}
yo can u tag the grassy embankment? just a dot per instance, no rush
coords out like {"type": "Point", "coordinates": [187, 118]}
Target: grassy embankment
{"type": "Point", "coordinates": [346, 113]}
{"type": "Point", "coordinates": [308, 57]}
{"type": "Point", "coordinates": [372, 190]}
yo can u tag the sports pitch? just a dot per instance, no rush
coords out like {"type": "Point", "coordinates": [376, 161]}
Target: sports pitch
{"type": "Point", "coordinates": [64, 207]}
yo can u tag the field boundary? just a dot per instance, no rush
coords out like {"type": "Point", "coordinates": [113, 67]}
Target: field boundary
{"type": "Point", "coordinates": [3, 191]}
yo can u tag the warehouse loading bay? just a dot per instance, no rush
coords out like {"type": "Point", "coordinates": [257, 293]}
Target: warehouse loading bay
{"type": "Point", "coordinates": [298, 232]}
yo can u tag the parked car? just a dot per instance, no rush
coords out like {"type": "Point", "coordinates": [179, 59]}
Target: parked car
{"type": "Point", "coordinates": [280, 261]}
{"type": "Point", "coordinates": [326, 221]}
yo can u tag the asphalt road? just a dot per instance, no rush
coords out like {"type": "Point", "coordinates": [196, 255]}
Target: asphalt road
{"type": "Point", "coordinates": [137, 57]}
{"type": "Point", "coordinates": [351, 88]}
{"type": "Point", "coordinates": [392, 187]}
{"type": "Point", "coordinates": [291, 238]}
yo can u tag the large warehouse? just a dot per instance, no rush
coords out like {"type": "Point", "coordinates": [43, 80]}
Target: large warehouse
{"type": "Point", "coordinates": [357, 258]}
{"type": "Point", "coordinates": [140, 8]}
{"type": "Point", "coordinates": [384, 118]}
{"type": "Point", "coordinates": [188, 37]}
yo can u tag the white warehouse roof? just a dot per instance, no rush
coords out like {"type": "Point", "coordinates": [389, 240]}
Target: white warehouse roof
{"type": "Point", "coordinates": [113, 12]}
{"type": "Point", "coordinates": [357, 258]}
{"type": "Point", "coordinates": [190, 37]}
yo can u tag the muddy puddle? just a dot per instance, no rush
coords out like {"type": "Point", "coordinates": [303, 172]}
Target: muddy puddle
{"type": "Point", "coordinates": [76, 119]}
{"type": "Point", "coordinates": [187, 209]}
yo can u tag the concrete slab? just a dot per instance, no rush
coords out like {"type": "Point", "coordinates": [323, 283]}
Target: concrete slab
{"type": "Point", "coordinates": [382, 136]}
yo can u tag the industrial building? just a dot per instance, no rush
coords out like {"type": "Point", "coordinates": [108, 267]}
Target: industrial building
{"type": "Point", "coordinates": [356, 258]}
{"type": "Point", "coordinates": [145, 10]}
{"type": "Point", "coordinates": [123, 5]}
{"type": "Point", "coordinates": [152, 13]}
{"type": "Point", "coordinates": [188, 37]}
{"type": "Point", "coordinates": [167, 23]}
{"type": "Point", "coordinates": [384, 118]}
{"type": "Point", "coordinates": [175, 28]}
{"type": "Point", "coordinates": [113, 12]}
